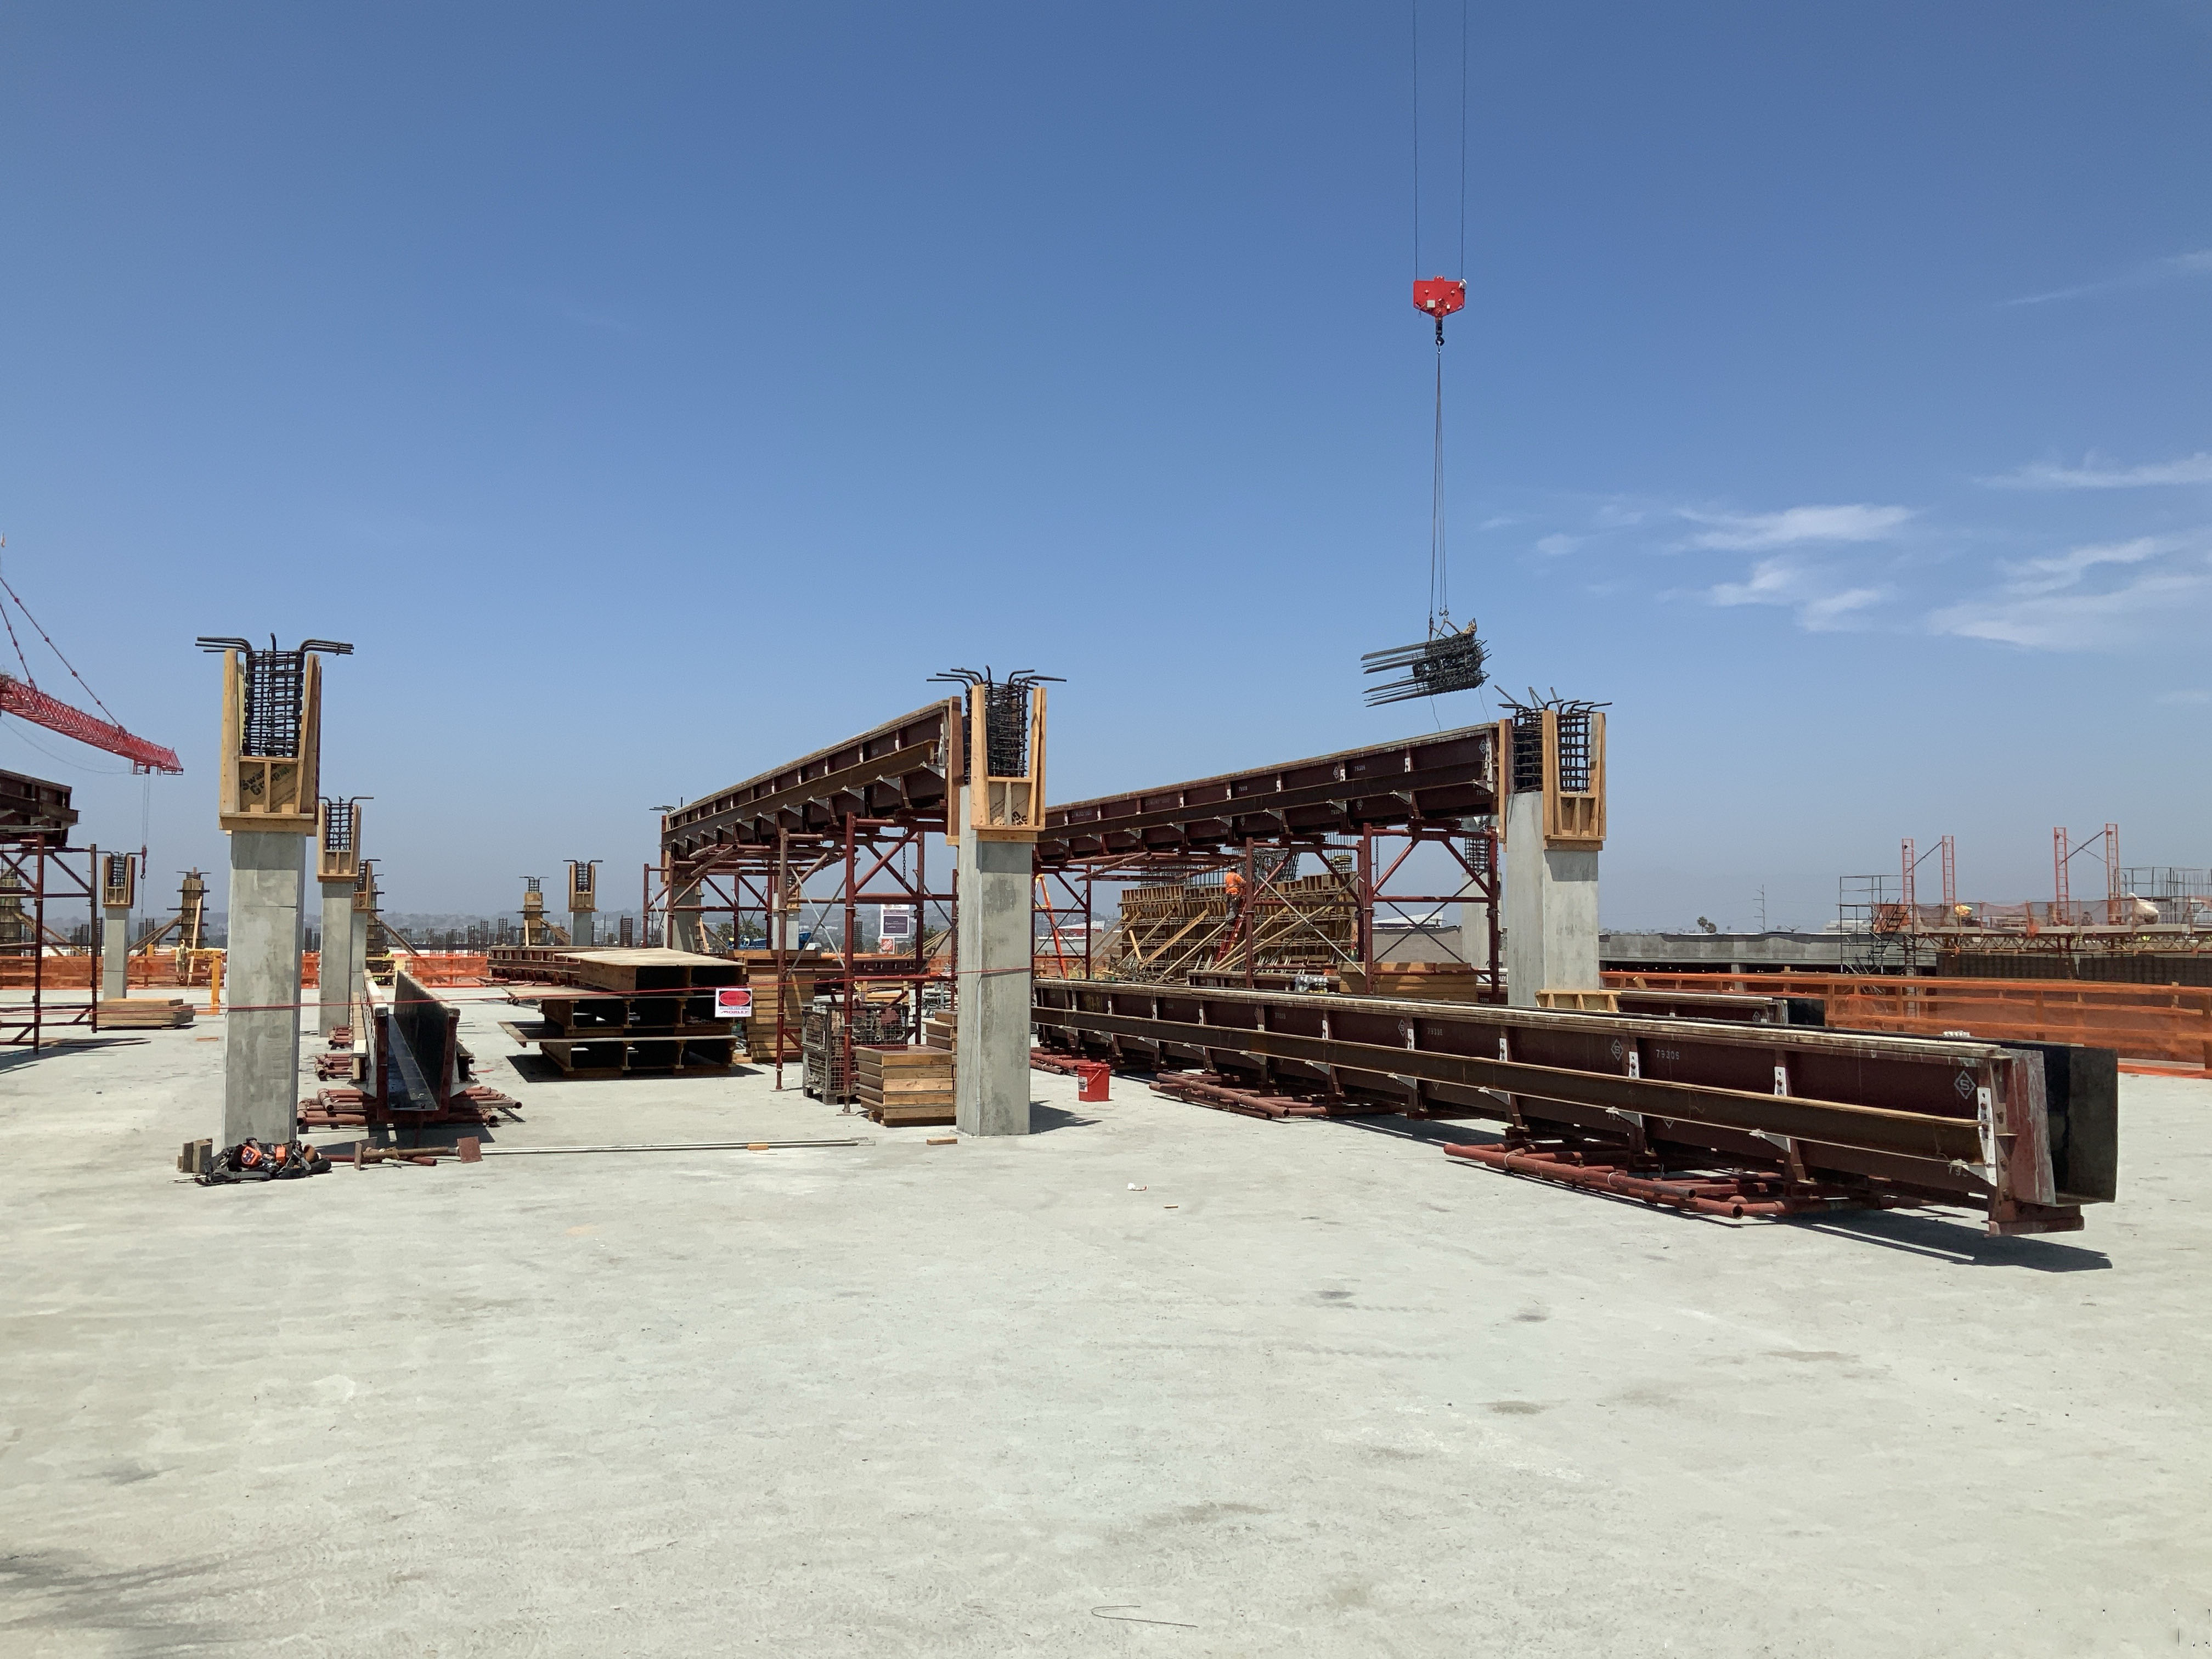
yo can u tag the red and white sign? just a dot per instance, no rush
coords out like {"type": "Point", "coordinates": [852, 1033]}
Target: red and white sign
{"type": "Point", "coordinates": [733, 1002]}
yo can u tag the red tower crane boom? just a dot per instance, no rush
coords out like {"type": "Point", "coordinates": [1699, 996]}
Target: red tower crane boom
{"type": "Point", "coordinates": [19, 697]}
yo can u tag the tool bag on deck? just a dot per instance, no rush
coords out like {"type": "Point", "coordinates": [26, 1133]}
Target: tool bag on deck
{"type": "Point", "coordinates": [254, 1160]}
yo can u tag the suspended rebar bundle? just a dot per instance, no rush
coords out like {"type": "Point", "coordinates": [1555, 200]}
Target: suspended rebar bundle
{"type": "Point", "coordinates": [1444, 662]}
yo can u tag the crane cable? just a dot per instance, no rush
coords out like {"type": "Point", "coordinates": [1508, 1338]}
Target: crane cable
{"type": "Point", "coordinates": [1440, 621]}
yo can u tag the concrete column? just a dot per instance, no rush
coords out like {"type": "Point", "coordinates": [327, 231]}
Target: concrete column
{"type": "Point", "coordinates": [1475, 928]}
{"type": "Point", "coordinates": [357, 972]}
{"type": "Point", "coordinates": [684, 931]}
{"type": "Point", "coordinates": [114, 952]}
{"type": "Point", "coordinates": [261, 986]}
{"type": "Point", "coordinates": [337, 969]}
{"type": "Point", "coordinates": [580, 926]}
{"type": "Point", "coordinates": [1551, 908]}
{"type": "Point", "coordinates": [992, 1092]}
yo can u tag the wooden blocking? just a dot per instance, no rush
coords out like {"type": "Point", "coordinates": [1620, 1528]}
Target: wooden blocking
{"type": "Point", "coordinates": [584, 1016]}
{"type": "Point", "coordinates": [1580, 1002]}
{"type": "Point", "coordinates": [144, 1013]}
{"type": "Point", "coordinates": [604, 1056]}
{"type": "Point", "coordinates": [940, 1031]}
{"type": "Point", "coordinates": [904, 1086]}
{"type": "Point", "coordinates": [1415, 982]}
{"type": "Point", "coordinates": [891, 1116]}
{"type": "Point", "coordinates": [197, 1158]}
{"type": "Point", "coordinates": [650, 969]}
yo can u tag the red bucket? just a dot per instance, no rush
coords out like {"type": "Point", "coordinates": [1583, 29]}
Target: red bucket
{"type": "Point", "coordinates": [1091, 1077]}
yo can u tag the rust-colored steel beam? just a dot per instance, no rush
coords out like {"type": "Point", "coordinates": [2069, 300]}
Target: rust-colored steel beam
{"type": "Point", "coordinates": [1443, 778]}
{"type": "Point", "coordinates": [896, 772]}
{"type": "Point", "coordinates": [33, 806]}
{"type": "Point", "coordinates": [21, 697]}
{"type": "Point", "coordinates": [1970, 1122]}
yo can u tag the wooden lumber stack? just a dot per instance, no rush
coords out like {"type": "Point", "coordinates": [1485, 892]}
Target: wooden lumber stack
{"type": "Point", "coordinates": [905, 1085]}
{"type": "Point", "coordinates": [643, 1009]}
{"type": "Point", "coordinates": [940, 1030]}
{"type": "Point", "coordinates": [1414, 981]}
{"type": "Point", "coordinates": [144, 1013]}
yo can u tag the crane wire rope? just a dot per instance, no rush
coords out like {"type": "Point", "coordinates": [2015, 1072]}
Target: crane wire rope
{"type": "Point", "coordinates": [1440, 621]}
{"type": "Point", "coordinates": [51, 647]}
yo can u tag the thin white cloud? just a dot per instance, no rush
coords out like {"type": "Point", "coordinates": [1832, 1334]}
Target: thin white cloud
{"type": "Point", "coordinates": [1826, 615]}
{"type": "Point", "coordinates": [1782, 580]}
{"type": "Point", "coordinates": [2082, 621]}
{"type": "Point", "coordinates": [1755, 533]}
{"type": "Point", "coordinates": [1553, 547]}
{"type": "Point", "coordinates": [2067, 569]}
{"type": "Point", "coordinates": [2092, 474]}
{"type": "Point", "coordinates": [2177, 267]}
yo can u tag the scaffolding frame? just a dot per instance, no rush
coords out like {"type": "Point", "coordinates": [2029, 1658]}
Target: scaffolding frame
{"type": "Point", "coordinates": [46, 870]}
{"type": "Point", "coordinates": [1367, 868]}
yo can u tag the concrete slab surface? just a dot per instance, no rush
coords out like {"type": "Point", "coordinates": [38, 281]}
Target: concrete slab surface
{"type": "Point", "coordinates": [1155, 1380]}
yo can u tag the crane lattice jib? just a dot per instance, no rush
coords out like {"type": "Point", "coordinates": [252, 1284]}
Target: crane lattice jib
{"type": "Point", "coordinates": [33, 705]}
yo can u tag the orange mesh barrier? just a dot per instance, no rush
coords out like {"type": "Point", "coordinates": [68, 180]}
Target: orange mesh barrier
{"type": "Point", "coordinates": [2140, 1022]}
{"type": "Point", "coordinates": [444, 966]}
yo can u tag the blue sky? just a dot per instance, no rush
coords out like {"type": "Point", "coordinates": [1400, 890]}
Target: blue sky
{"type": "Point", "coordinates": [654, 393]}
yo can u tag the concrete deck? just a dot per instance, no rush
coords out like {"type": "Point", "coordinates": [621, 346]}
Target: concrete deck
{"type": "Point", "coordinates": [1314, 1389]}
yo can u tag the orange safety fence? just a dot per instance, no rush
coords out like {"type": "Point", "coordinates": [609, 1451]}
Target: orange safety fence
{"type": "Point", "coordinates": [444, 966]}
{"type": "Point", "coordinates": [162, 968]}
{"type": "Point", "coordinates": [2139, 1022]}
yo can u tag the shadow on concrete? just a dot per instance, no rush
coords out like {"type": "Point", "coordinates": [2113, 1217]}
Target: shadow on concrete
{"type": "Point", "coordinates": [1940, 1237]}
{"type": "Point", "coordinates": [155, 1608]}
{"type": "Point", "coordinates": [1043, 1118]}
{"type": "Point", "coordinates": [10, 1058]}
{"type": "Point", "coordinates": [1431, 1132]}
{"type": "Point", "coordinates": [536, 1068]}
{"type": "Point", "coordinates": [1961, 1241]}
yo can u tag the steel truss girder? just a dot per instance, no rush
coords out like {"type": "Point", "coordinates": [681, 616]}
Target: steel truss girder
{"type": "Point", "coordinates": [1447, 777]}
{"type": "Point", "coordinates": [1965, 1121]}
{"type": "Point", "coordinates": [894, 772]}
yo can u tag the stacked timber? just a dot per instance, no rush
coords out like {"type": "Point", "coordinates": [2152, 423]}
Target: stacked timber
{"type": "Point", "coordinates": [940, 1030]}
{"type": "Point", "coordinates": [905, 1085]}
{"type": "Point", "coordinates": [144, 1013]}
{"type": "Point", "coordinates": [638, 1011]}
{"type": "Point", "coordinates": [1414, 982]}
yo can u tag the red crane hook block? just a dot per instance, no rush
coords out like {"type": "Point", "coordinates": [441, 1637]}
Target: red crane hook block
{"type": "Point", "coordinates": [1439, 296]}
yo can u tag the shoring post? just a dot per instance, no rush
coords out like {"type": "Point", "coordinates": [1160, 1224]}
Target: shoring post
{"type": "Point", "coordinates": [1249, 901]}
{"type": "Point", "coordinates": [1496, 933]}
{"type": "Point", "coordinates": [1363, 888]}
{"type": "Point", "coordinates": [849, 948]}
{"type": "Point", "coordinates": [780, 919]}
{"type": "Point", "coordinates": [38, 951]}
